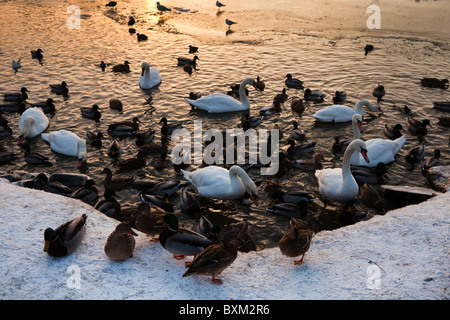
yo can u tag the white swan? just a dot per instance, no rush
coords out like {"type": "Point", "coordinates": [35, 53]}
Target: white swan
{"type": "Point", "coordinates": [338, 184]}
{"type": "Point", "coordinates": [33, 122]}
{"type": "Point", "coordinates": [379, 150]}
{"type": "Point", "coordinates": [150, 77]}
{"type": "Point", "coordinates": [218, 102]}
{"type": "Point", "coordinates": [68, 143]}
{"type": "Point", "coordinates": [219, 183]}
{"type": "Point", "coordinates": [341, 113]}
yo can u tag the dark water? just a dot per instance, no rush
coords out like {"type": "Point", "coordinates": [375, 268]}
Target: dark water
{"type": "Point", "coordinates": [72, 55]}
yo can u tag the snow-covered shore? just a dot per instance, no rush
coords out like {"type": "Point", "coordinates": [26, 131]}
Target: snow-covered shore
{"type": "Point", "coordinates": [401, 255]}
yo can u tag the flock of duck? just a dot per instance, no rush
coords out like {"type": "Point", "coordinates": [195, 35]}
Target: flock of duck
{"type": "Point", "coordinates": [155, 215]}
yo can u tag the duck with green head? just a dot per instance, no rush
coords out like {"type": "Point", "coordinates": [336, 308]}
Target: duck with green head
{"type": "Point", "coordinates": [181, 241]}
{"type": "Point", "coordinates": [66, 238]}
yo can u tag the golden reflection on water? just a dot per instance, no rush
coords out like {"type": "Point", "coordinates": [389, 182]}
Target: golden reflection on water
{"type": "Point", "coordinates": [73, 55]}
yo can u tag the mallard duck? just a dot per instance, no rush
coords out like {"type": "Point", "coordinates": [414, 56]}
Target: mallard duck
{"type": "Point", "coordinates": [292, 82]}
{"type": "Point", "coordinates": [115, 104]}
{"type": "Point", "coordinates": [61, 89]}
{"type": "Point", "coordinates": [306, 165]}
{"type": "Point", "coordinates": [133, 163]}
{"type": "Point", "coordinates": [167, 128]}
{"type": "Point", "coordinates": [181, 241]}
{"type": "Point", "coordinates": [194, 95]}
{"type": "Point", "coordinates": [339, 97]}
{"type": "Point", "coordinates": [393, 132]}
{"type": "Point", "coordinates": [214, 259]}
{"type": "Point", "coordinates": [297, 241]}
{"type": "Point", "coordinates": [290, 210]}
{"type": "Point", "coordinates": [6, 156]}
{"type": "Point", "coordinates": [154, 148]}
{"type": "Point", "coordinates": [141, 37]}
{"type": "Point", "coordinates": [368, 48]}
{"type": "Point", "coordinates": [208, 229]}
{"type": "Point", "coordinates": [12, 97]}
{"type": "Point", "coordinates": [114, 149]}
{"type": "Point", "coordinates": [93, 139]}
{"type": "Point", "coordinates": [193, 49]}
{"type": "Point", "coordinates": [313, 96]}
{"type": "Point", "coordinates": [124, 128]}
{"type": "Point", "coordinates": [57, 188]}
{"type": "Point", "coordinates": [434, 83]}
{"type": "Point", "coordinates": [281, 97]}
{"type": "Point", "coordinates": [275, 108]}
{"type": "Point", "coordinates": [431, 162]}
{"type": "Point", "coordinates": [371, 197]}
{"type": "Point", "coordinates": [259, 84]}
{"type": "Point", "coordinates": [189, 203]}
{"type": "Point", "coordinates": [418, 127]}
{"type": "Point", "coordinates": [111, 4]}
{"type": "Point", "coordinates": [109, 205]}
{"type": "Point", "coordinates": [37, 54]}
{"type": "Point", "coordinates": [379, 92]}
{"type": "Point", "coordinates": [160, 7]}
{"type": "Point", "coordinates": [297, 105]}
{"type": "Point", "coordinates": [47, 106]}
{"type": "Point", "coordinates": [245, 240]}
{"type": "Point", "coordinates": [161, 202]}
{"type": "Point", "coordinates": [116, 182]}
{"type": "Point", "coordinates": [162, 163]}
{"type": "Point", "coordinates": [125, 67]}
{"type": "Point", "coordinates": [121, 243]}
{"type": "Point", "coordinates": [150, 220]}
{"type": "Point", "coordinates": [416, 154]}
{"type": "Point", "coordinates": [66, 238]}
{"type": "Point", "coordinates": [444, 121]}
{"type": "Point", "coordinates": [131, 21]}
{"type": "Point", "coordinates": [87, 193]}
{"type": "Point", "coordinates": [296, 133]}
{"type": "Point", "coordinates": [297, 150]}
{"type": "Point", "coordinates": [35, 157]}
{"type": "Point", "coordinates": [102, 65]}
{"type": "Point", "coordinates": [91, 112]}
{"type": "Point", "coordinates": [251, 122]}
{"type": "Point", "coordinates": [363, 174]}
{"type": "Point", "coordinates": [187, 61]}
{"type": "Point", "coordinates": [297, 197]}
{"type": "Point", "coordinates": [18, 106]}
{"type": "Point", "coordinates": [5, 131]}
{"type": "Point", "coordinates": [443, 106]}
{"type": "Point", "coordinates": [169, 187]}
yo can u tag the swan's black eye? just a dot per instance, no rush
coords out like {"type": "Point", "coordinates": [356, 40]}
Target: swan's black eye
{"type": "Point", "coordinates": [363, 151]}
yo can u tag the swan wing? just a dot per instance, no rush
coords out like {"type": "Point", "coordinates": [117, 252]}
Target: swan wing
{"type": "Point", "coordinates": [217, 103]}
{"type": "Point", "coordinates": [334, 113]}
{"type": "Point", "coordinates": [40, 121]}
{"type": "Point", "coordinates": [62, 141]}
{"type": "Point", "coordinates": [379, 150]}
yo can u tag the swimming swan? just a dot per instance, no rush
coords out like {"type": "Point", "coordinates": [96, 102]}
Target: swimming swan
{"type": "Point", "coordinates": [341, 113]}
{"type": "Point", "coordinates": [218, 102]}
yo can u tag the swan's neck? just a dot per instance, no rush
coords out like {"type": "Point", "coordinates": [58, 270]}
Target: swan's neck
{"type": "Point", "coordinates": [81, 149]}
{"type": "Point", "coordinates": [146, 73]}
{"type": "Point", "coordinates": [356, 133]}
{"type": "Point", "coordinates": [239, 178]}
{"type": "Point", "coordinates": [242, 96]}
{"type": "Point", "coordinates": [346, 172]}
{"type": "Point", "coordinates": [361, 103]}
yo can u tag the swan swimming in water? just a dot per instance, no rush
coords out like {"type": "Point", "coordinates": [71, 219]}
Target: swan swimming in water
{"type": "Point", "coordinates": [218, 102]}
{"type": "Point", "coordinates": [341, 113]}
{"type": "Point", "coordinates": [150, 77]}
{"type": "Point", "coordinates": [33, 122]}
{"type": "Point", "coordinates": [68, 143]}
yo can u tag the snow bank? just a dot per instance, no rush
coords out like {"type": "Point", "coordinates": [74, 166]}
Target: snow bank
{"type": "Point", "coordinates": [401, 255]}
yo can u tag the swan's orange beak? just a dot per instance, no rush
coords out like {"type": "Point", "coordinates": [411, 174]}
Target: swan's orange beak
{"type": "Point", "coordinates": [20, 140]}
{"type": "Point", "coordinates": [360, 127]}
{"type": "Point", "coordinates": [364, 154]}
